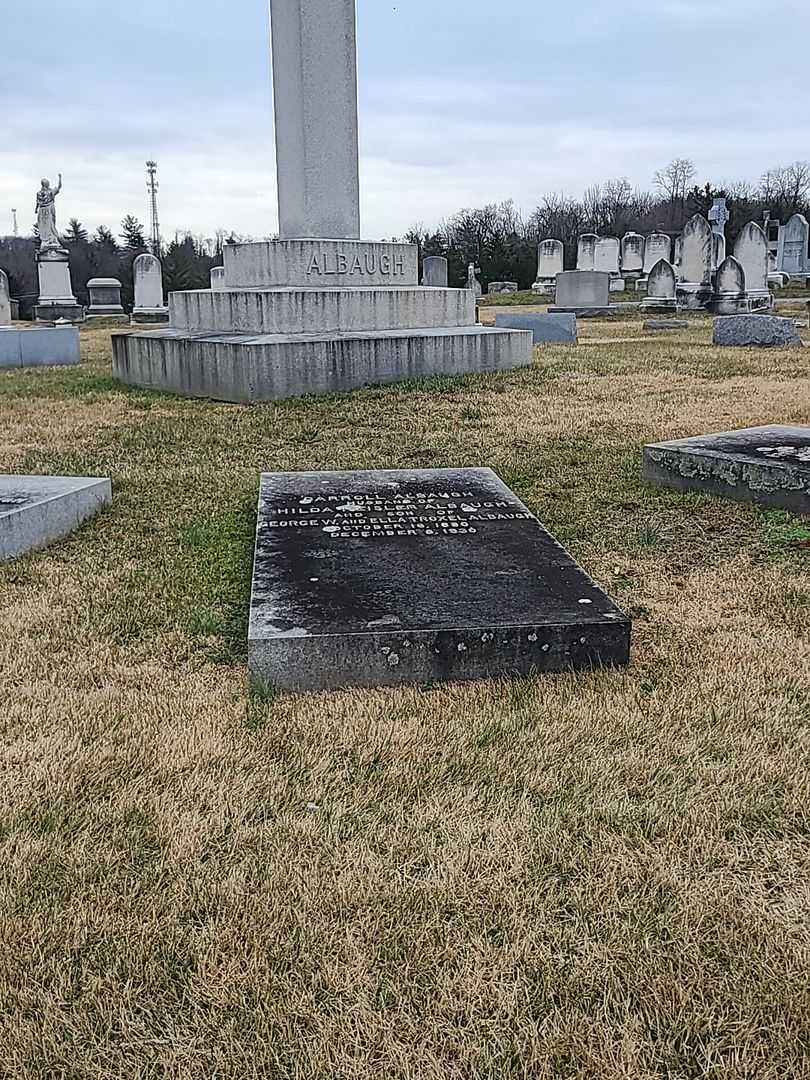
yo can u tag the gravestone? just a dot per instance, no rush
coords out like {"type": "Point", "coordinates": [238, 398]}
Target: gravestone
{"type": "Point", "coordinates": [718, 218]}
{"type": "Point", "coordinates": [761, 331]}
{"type": "Point", "coordinates": [767, 465]}
{"type": "Point", "coordinates": [218, 279]}
{"type": "Point", "coordinates": [5, 300]}
{"type": "Point", "coordinates": [150, 306]}
{"type": "Point", "coordinates": [415, 576]}
{"type": "Point", "coordinates": [792, 257]}
{"type": "Point", "coordinates": [695, 272]}
{"type": "Point", "coordinates": [434, 272]}
{"type": "Point", "coordinates": [56, 299]}
{"type": "Point", "coordinates": [607, 255]}
{"type": "Point", "coordinates": [583, 292]}
{"type": "Point", "coordinates": [37, 510]}
{"type": "Point", "coordinates": [318, 310]}
{"type": "Point", "coordinates": [550, 262]}
{"type": "Point", "coordinates": [105, 299]}
{"type": "Point", "coordinates": [657, 246]}
{"type": "Point", "coordinates": [666, 324]}
{"type": "Point", "coordinates": [633, 246]}
{"type": "Point", "coordinates": [729, 288]}
{"type": "Point", "coordinates": [551, 328]}
{"type": "Point", "coordinates": [661, 288]}
{"type": "Point", "coordinates": [39, 347]}
{"type": "Point", "coordinates": [586, 251]}
{"type": "Point", "coordinates": [751, 252]}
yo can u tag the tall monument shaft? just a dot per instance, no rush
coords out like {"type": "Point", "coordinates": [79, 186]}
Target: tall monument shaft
{"type": "Point", "coordinates": [315, 101]}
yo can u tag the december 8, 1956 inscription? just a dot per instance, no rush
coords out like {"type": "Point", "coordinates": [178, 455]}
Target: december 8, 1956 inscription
{"type": "Point", "coordinates": [390, 577]}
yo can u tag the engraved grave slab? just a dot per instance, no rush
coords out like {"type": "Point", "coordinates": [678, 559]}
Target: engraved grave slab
{"type": "Point", "coordinates": [37, 510]}
{"type": "Point", "coordinates": [415, 576]}
{"type": "Point", "coordinates": [769, 465]}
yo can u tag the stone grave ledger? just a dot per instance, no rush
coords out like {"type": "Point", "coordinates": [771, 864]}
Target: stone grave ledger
{"type": "Point", "coordinates": [37, 510]}
{"type": "Point", "coordinates": [767, 465]}
{"type": "Point", "coordinates": [314, 316]}
{"type": "Point", "coordinates": [416, 576]}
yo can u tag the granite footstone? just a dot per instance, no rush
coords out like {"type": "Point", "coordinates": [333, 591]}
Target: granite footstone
{"type": "Point", "coordinates": [416, 577]}
{"type": "Point", "coordinates": [666, 324]}
{"type": "Point", "coordinates": [554, 328]}
{"type": "Point", "coordinates": [761, 331]}
{"type": "Point", "coordinates": [38, 510]}
{"type": "Point", "coordinates": [768, 465]}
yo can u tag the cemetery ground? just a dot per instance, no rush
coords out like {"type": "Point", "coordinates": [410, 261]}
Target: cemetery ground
{"type": "Point", "coordinates": [599, 875]}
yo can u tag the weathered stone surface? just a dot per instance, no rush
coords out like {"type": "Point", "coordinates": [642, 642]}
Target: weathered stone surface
{"type": "Point", "coordinates": [315, 101]}
{"type": "Point", "coordinates": [586, 251]}
{"type": "Point", "coordinates": [583, 289]}
{"type": "Point", "coordinates": [496, 287]}
{"type": "Point", "coordinates": [751, 252]}
{"type": "Point", "coordinates": [105, 297]}
{"type": "Point", "coordinates": [696, 252]}
{"type": "Point", "coordinates": [792, 252]}
{"type": "Point", "coordinates": [632, 253]}
{"type": "Point", "coordinates": [37, 510]}
{"type": "Point", "coordinates": [217, 279]}
{"type": "Point", "coordinates": [607, 254]}
{"type": "Point", "coordinates": [39, 347]}
{"type": "Point", "coordinates": [56, 299]}
{"type": "Point", "coordinates": [5, 300]}
{"type": "Point", "coordinates": [658, 246]}
{"type": "Point", "coordinates": [321, 311]}
{"type": "Point", "coordinates": [415, 576]}
{"type": "Point", "coordinates": [434, 272]}
{"type": "Point", "coordinates": [661, 286]}
{"type": "Point", "coordinates": [758, 330]}
{"type": "Point", "coordinates": [729, 288]}
{"type": "Point", "coordinates": [554, 328]}
{"type": "Point", "coordinates": [320, 264]}
{"type": "Point", "coordinates": [666, 324]}
{"type": "Point", "coordinates": [147, 274]}
{"type": "Point", "coordinates": [550, 262]}
{"type": "Point", "coordinates": [768, 465]}
{"type": "Point", "coordinates": [248, 368]}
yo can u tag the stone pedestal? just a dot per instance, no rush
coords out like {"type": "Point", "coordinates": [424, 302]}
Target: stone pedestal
{"type": "Point", "coordinates": [105, 299]}
{"type": "Point", "coordinates": [692, 297]}
{"type": "Point", "coordinates": [56, 299]}
{"type": "Point", "coordinates": [314, 316]}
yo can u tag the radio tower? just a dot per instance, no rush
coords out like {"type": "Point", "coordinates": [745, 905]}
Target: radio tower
{"type": "Point", "coordinates": [152, 187]}
{"type": "Point", "coordinates": [14, 222]}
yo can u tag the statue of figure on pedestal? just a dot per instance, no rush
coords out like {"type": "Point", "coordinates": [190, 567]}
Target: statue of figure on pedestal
{"type": "Point", "coordinates": [46, 216]}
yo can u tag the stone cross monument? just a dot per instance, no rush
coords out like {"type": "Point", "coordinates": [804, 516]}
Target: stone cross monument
{"type": "Point", "coordinates": [318, 310]}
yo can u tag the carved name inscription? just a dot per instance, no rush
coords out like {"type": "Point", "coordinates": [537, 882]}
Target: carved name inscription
{"type": "Point", "coordinates": [377, 517]}
{"type": "Point", "coordinates": [337, 263]}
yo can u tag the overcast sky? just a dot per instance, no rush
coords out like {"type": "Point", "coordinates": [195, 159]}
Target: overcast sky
{"type": "Point", "coordinates": [462, 102]}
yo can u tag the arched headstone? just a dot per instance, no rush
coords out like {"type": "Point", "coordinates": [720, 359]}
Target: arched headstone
{"type": "Point", "coordinates": [434, 272]}
{"type": "Point", "coordinates": [695, 271]}
{"type": "Point", "coordinates": [751, 252]}
{"type": "Point", "coordinates": [661, 288]}
{"type": "Point", "coordinates": [586, 251]}
{"type": "Point", "coordinates": [792, 257]}
{"type": "Point", "coordinates": [633, 246]}
{"type": "Point", "coordinates": [550, 262]}
{"type": "Point", "coordinates": [147, 274]}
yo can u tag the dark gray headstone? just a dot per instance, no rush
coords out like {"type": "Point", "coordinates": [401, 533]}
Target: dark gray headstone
{"type": "Point", "coordinates": [666, 324]}
{"type": "Point", "coordinates": [759, 330]}
{"type": "Point", "coordinates": [546, 329]}
{"type": "Point", "coordinates": [415, 576]}
{"type": "Point", "coordinates": [768, 465]}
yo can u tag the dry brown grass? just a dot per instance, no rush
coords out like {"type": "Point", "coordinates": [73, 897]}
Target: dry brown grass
{"type": "Point", "coordinates": [593, 876]}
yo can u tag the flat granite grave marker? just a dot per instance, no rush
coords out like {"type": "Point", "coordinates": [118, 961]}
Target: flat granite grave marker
{"type": "Point", "coordinates": [415, 576]}
{"type": "Point", "coordinates": [768, 465]}
{"type": "Point", "coordinates": [554, 328]}
{"type": "Point", "coordinates": [37, 510]}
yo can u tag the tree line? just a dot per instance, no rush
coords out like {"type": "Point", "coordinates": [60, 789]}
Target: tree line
{"type": "Point", "coordinates": [503, 244]}
{"type": "Point", "coordinates": [497, 238]}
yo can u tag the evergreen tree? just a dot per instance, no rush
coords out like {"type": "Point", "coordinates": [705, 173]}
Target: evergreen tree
{"type": "Point", "coordinates": [76, 232]}
{"type": "Point", "coordinates": [133, 235]}
{"type": "Point", "coordinates": [104, 239]}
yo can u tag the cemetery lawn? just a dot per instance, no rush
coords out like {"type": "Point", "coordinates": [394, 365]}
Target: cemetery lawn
{"type": "Point", "coordinates": [597, 876]}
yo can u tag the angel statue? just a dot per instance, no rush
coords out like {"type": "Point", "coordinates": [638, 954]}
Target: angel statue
{"type": "Point", "coordinates": [46, 215]}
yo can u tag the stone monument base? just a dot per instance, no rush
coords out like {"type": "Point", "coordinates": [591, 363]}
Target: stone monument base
{"type": "Point", "coordinates": [658, 304]}
{"type": "Point", "coordinates": [56, 299]}
{"type": "Point", "coordinates": [149, 317]}
{"type": "Point", "coordinates": [314, 317]}
{"type": "Point", "coordinates": [692, 297]}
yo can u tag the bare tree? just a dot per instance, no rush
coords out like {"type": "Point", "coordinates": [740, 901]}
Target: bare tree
{"type": "Point", "coordinates": [674, 180]}
{"type": "Point", "coordinates": [786, 188]}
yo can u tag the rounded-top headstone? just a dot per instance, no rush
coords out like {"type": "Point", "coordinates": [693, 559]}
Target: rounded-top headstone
{"type": "Point", "coordinates": [696, 251]}
{"type": "Point", "coordinates": [730, 278]}
{"type": "Point", "coordinates": [661, 281]}
{"type": "Point", "coordinates": [751, 251]}
{"type": "Point", "coordinates": [632, 252]}
{"type": "Point", "coordinates": [434, 272]}
{"type": "Point", "coordinates": [147, 274]}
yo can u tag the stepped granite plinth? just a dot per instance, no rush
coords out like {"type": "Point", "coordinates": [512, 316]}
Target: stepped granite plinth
{"type": "Point", "coordinates": [312, 317]}
{"type": "Point", "coordinates": [768, 465]}
{"type": "Point", "coordinates": [37, 510]}
{"type": "Point", "coordinates": [416, 576]}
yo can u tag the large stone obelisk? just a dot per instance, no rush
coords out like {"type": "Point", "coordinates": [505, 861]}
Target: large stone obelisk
{"type": "Point", "coordinates": [315, 99]}
{"type": "Point", "coordinates": [318, 310]}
